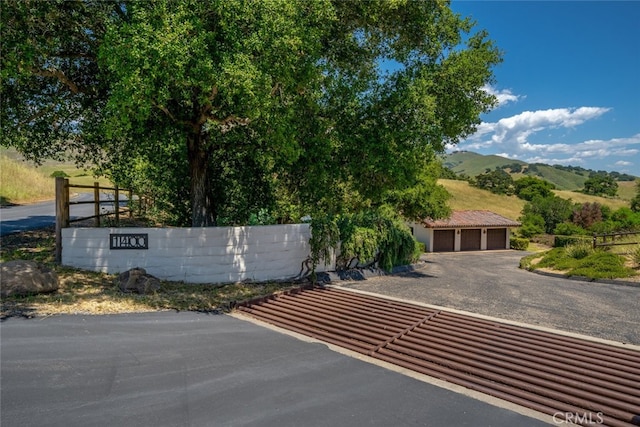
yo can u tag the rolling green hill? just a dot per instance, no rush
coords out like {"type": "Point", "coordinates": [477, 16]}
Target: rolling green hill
{"type": "Point", "coordinates": [472, 164]}
{"type": "Point", "coordinates": [466, 197]}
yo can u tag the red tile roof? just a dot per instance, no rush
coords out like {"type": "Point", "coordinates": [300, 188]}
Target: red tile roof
{"type": "Point", "coordinates": [466, 219]}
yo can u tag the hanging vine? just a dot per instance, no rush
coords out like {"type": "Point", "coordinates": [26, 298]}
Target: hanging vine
{"type": "Point", "coordinates": [378, 236]}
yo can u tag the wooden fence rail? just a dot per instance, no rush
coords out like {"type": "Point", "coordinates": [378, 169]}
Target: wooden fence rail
{"type": "Point", "coordinates": [63, 204]}
{"type": "Point", "coordinates": [609, 239]}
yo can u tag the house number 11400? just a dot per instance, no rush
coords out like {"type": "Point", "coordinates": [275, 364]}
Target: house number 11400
{"type": "Point", "coordinates": [128, 241]}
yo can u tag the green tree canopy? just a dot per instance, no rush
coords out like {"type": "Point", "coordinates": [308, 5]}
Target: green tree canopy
{"type": "Point", "coordinates": [601, 185]}
{"type": "Point", "coordinates": [497, 181]}
{"type": "Point", "coordinates": [553, 210]}
{"type": "Point", "coordinates": [222, 108]}
{"type": "Point", "coordinates": [528, 187]}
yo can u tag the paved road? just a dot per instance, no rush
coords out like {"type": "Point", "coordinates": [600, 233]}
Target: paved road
{"type": "Point", "coordinates": [490, 283]}
{"type": "Point", "coordinates": [190, 369]}
{"type": "Point", "coordinates": [14, 219]}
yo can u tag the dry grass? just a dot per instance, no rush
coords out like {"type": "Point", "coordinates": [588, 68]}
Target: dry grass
{"type": "Point", "coordinates": [466, 197]}
{"type": "Point", "coordinates": [83, 292]}
{"type": "Point", "coordinates": [575, 197]}
{"type": "Point", "coordinates": [20, 183]}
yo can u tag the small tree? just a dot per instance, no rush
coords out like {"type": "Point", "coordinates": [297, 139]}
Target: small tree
{"type": "Point", "coordinates": [601, 185]}
{"type": "Point", "coordinates": [532, 225]}
{"type": "Point", "coordinates": [529, 187]}
{"type": "Point", "coordinates": [554, 210]}
{"type": "Point", "coordinates": [496, 181]}
{"type": "Point", "coordinates": [587, 214]}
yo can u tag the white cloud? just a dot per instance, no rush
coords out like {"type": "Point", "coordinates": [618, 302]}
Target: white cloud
{"type": "Point", "coordinates": [504, 96]}
{"type": "Point", "coordinates": [521, 137]}
{"type": "Point", "coordinates": [623, 163]}
{"type": "Point", "coordinates": [581, 153]}
{"type": "Point", "coordinates": [515, 130]}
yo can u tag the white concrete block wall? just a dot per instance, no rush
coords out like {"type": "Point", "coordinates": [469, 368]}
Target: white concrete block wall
{"type": "Point", "coordinates": [196, 255]}
{"type": "Point", "coordinates": [422, 234]}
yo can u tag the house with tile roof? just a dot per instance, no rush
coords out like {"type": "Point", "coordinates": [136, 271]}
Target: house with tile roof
{"type": "Point", "coordinates": [471, 230]}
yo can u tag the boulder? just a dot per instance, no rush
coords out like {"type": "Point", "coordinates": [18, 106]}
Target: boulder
{"type": "Point", "coordinates": [21, 277]}
{"type": "Point", "coordinates": [137, 280]}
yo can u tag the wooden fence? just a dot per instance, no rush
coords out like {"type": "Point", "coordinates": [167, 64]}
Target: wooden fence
{"type": "Point", "coordinates": [64, 203]}
{"type": "Point", "coordinates": [609, 239]}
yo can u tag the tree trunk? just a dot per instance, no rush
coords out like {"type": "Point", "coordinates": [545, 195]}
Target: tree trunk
{"type": "Point", "coordinates": [202, 209]}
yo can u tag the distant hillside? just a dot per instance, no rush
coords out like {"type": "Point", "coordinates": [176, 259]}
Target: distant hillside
{"type": "Point", "coordinates": [563, 177]}
{"type": "Point", "coordinates": [466, 197]}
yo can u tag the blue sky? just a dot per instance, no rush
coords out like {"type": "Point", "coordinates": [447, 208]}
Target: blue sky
{"type": "Point", "coordinates": [569, 86]}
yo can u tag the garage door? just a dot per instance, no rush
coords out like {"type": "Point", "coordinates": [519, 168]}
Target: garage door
{"type": "Point", "coordinates": [497, 238]}
{"type": "Point", "coordinates": [444, 240]}
{"type": "Point", "coordinates": [470, 240]}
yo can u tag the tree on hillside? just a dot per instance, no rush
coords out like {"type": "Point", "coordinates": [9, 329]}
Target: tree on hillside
{"type": "Point", "coordinates": [635, 202]}
{"type": "Point", "coordinates": [223, 108]}
{"type": "Point", "coordinates": [497, 181]}
{"type": "Point", "coordinates": [529, 187]}
{"type": "Point", "coordinates": [601, 185]}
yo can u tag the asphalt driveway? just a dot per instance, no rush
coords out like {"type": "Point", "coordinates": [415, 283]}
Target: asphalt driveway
{"type": "Point", "coordinates": [490, 283]}
{"type": "Point", "coordinates": [191, 369]}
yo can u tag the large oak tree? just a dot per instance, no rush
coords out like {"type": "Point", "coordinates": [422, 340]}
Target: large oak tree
{"type": "Point", "coordinates": [228, 106]}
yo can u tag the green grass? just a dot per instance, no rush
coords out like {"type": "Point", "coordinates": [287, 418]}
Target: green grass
{"type": "Point", "coordinates": [597, 264]}
{"type": "Point", "coordinates": [473, 164]}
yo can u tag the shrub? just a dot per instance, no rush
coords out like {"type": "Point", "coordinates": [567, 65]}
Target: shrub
{"type": "Point", "coordinates": [587, 214]}
{"type": "Point", "coordinates": [562, 241]}
{"type": "Point", "coordinates": [532, 224]}
{"type": "Point", "coordinates": [569, 229]}
{"type": "Point", "coordinates": [597, 264]}
{"type": "Point", "coordinates": [553, 210]}
{"type": "Point", "coordinates": [519, 243]}
{"type": "Point", "coordinates": [626, 219]}
{"type": "Point", "coordinates": [579, 250]}
{"type": "Point", "coordinates": [59, 174]}
{"type": "Point", "coordinates": [635, 255]}
{"type": "Point", "coordinates": [373, 236]}
{"type": "Point", "coordinates": [557, 258]}
{"type": "Point", "coordinates": [602, 265]}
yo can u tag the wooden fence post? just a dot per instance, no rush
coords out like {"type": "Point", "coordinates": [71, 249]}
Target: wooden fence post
{"type": "Point", "coordinates": [62, 213]}
{"type": "Point", "coordinates": [96, 203]}
{"type": "Point", "coordinates": [129, 203]}
{"type": "Point", "coordinates": [117, 206]}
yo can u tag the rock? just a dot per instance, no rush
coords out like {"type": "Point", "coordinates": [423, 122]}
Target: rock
{"type": "Point", "coordinates": [21, 277]}
{"type": "Point", "coordinates": [137, 280]}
